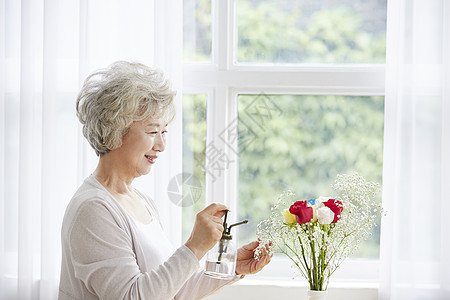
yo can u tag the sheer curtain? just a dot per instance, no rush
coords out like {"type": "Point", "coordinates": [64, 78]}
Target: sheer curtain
{"type": "Point", "coordinates": [47, 48]}
{"type": "Point", "coordinates": [415, 240]}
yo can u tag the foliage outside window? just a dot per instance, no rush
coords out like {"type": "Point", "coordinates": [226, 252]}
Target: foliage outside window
{"type": "Point", "coordinates": [286, 31]}
{"type": "Point", "coordinates": [311, 31]}
{"type": "Point", "coordinates": [197, 30]}
{"type": "Point", "coordinates": [300, 143]}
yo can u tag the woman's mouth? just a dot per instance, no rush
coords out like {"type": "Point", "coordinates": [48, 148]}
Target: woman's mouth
{"type": "Point", "coordinates": [151, 158]}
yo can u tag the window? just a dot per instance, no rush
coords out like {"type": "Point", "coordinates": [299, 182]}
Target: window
{"type": "Point", "coordinates": [293, 94]}
{"type": "Point", "coordinates": [197, 30]}
{"type": "Point", "coordinates": [194, 138]}
{"type": "Point", "coordinates": [300, 143]}
{"type": "Point", "coordinates": [311, 31]}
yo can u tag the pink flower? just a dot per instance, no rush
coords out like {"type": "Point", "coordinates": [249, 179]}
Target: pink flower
{"type": "Point", "coordinates": [303, 213]}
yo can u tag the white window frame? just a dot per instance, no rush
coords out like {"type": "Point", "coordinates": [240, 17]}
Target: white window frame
{"type": "Point", "coordinates": [223, 80]}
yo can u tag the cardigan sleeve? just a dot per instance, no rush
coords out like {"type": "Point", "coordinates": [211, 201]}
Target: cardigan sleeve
{"type": "Point", "coordinates": [103, 259]}
{"type": "Point", "coordinates": [200, 286]}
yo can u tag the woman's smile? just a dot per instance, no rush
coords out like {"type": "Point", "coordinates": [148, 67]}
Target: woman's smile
{"type": "Point", "coordinates": [151, 158]}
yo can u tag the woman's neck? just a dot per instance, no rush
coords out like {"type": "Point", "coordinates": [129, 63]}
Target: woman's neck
{"type": "Point", "coordinates": [110, 175]}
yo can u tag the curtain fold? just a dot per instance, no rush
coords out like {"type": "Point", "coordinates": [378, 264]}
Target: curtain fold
{"type": "Point", "coordinates": [414, 234]}
{"type": "Point", "coordinates": [47, 48]}
{"type": "Point", "coordinates": [445, 234]}
{"type": "Point", "coordinates": [2, 138]}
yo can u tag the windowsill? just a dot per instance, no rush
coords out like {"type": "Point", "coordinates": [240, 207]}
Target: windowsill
{"type": "Point", "coordinates": [355, 279]}
{"type": "Point", "coordinates": [263, 289]}
{"type": "Point", "coordinates": [300, 283]}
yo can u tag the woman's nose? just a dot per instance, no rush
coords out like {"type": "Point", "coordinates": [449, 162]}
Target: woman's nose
{"type": "Point", "coordinates": [160, 142]}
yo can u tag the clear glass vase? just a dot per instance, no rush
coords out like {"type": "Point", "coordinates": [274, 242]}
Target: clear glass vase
{"type": "Point", "coordinates": [221, 260]}
{"type": "Point", "coordinates": [317, 295]}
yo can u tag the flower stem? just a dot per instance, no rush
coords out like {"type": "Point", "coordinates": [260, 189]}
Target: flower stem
{"type": "Point", "coordinates": [304, 259]}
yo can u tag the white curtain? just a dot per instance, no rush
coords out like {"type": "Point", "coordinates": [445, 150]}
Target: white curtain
{"type": "Point", "coordinates": [47, 48]}
{"type": "Point", "coordinates": [415, 239]}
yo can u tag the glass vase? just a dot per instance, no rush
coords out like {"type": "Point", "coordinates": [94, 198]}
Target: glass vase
{"type": "Point", "coordinates": [317, 295]}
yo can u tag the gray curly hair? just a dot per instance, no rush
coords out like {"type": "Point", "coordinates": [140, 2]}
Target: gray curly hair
{"type": "Point", "coordinates": [113, 98]}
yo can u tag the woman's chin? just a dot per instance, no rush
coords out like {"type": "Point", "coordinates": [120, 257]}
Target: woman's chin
{"type": "Point", "coordinates": [147, 170]}
{"type": "Point", "coordinates": [142, 171]}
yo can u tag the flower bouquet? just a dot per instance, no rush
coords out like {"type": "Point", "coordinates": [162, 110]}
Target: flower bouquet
{"type": "Point", "coordinates": [318, 234]}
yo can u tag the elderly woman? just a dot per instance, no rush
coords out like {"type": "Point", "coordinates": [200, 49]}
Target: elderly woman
{"type": "Point", "coordinates": [113, 246]}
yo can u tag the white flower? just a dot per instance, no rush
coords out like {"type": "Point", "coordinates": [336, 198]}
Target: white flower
{"type": "Point", "coordinates": [325, 215]}
{"type": "Point", "coordinates": [321, 200]}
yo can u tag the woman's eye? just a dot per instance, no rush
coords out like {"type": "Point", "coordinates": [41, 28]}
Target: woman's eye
{"type": "Point", "coordinates": [156, 132]}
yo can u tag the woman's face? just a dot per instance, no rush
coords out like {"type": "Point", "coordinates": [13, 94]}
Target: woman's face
{"type": "Point", "coordinates": [142, 145]}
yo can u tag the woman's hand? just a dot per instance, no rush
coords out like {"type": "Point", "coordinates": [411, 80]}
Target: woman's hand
{"type": "Point", "coordinates": [207, 230]}
{"type": "Point", "coordinates": [246, 262]}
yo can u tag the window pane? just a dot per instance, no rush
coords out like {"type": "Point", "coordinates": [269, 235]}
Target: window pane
{"type": "Point", "coordinates": [194, 140]}
{"type": "Point", "coordinates": [197, 30]}
{"type": "Point", "coordinates": [300, 143]}
{"type": "Point", "coordinates": [311, 31]}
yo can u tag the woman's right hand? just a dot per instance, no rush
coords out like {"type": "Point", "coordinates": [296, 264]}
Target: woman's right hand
{"type": "Point", "coordinates": [207, 230]}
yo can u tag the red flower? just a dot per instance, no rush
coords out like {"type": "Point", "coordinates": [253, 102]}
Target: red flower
{"type": "Point", "coordinates": [303, 213]}
{"type": "Point", "coordinates": [335, 206]}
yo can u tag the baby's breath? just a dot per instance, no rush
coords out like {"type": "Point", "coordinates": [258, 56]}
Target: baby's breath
{"type": "Point", "coordinates": [317, 250]}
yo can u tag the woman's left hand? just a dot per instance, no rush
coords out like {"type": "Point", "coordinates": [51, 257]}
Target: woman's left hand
{"type": "Point", "coordinates": [246, 262]}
